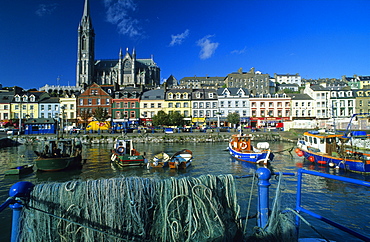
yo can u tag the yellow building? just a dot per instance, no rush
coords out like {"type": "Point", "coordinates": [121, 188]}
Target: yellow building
{"type": "Point", "coordinates": [178, 100]}
{"type": "Point", "coordinates": [150, 103]}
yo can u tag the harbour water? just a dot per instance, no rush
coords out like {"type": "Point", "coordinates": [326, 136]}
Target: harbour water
{"type": "Point", "coordinates": [343, 203]}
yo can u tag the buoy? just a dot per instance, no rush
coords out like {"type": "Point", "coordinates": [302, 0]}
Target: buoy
{"type": "Point", "coordinates": [331, 164]}
{"type": "Point", "coordinates": [311, 158]}
{"type": "Point", "coordinates": [300, 153]}
{"type": "Point", "coordinates": [297, 150]}
{"type": "Point", "coordinates": [322, 162]}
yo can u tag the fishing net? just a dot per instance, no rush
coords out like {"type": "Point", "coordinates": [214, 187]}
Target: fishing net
{"type": "Point", "coordinates": [134, 209]}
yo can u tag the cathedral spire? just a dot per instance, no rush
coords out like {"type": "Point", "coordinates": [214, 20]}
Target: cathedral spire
{"type": "Point", "coordinates": [86, 19]}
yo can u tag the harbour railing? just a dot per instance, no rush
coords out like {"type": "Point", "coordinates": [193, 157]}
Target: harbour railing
{"type": "Point", "coordinates": [20, 193]}
{"type": "Point", "coordinates": [299, 209]}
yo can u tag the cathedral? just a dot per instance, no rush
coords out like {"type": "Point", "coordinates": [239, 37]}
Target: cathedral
{"type": "Point", "coordinates": [127, 70]}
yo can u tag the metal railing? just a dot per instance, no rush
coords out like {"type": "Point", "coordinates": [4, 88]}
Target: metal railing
{"type": "Point", "coordinates": [20, 192]}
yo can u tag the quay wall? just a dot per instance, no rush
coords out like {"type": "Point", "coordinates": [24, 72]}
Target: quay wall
{"type": "Point", "coordinates": [200, 137]}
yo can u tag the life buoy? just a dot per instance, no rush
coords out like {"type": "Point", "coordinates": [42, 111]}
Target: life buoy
{"type": "Point", "coordinates": [244, 145]}
{"type": "Point", "coordinates": [120, 149]}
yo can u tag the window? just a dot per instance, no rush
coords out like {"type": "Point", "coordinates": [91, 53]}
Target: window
{"type": "Point", "coordinates": [186, 105]}
{"type": "Point", "coordinates": [170, 105]}
{"type": "Point", "coordinates": [89, 101]}
{"type": "Point", "coordinates": [107, 102]}
{"type": "Point", "coordinates": [152, 105]}
{"type": "Point", "coordinates": [81, 102]}
{"type": "Point", "coordinates": [178, 105]}
{"type": "Point", "coordinates": [42, 107]}
{"type": "Point", "coordinates": [195, 105]}
{"type": "Point", "coordinates": [145, 105]}
{"type": "Point", "coordinates": [132, 105]}
{"type": "Point", "coordinates": [72, 106]}
{"type": "Point", "coordinates": [132, 114]}
{"type": "Point", "coordinates": [159, 105]}
{"type": "Point", "coordinates": [49, 107]}
{"type": "Point", "coordinates": [98, 101]}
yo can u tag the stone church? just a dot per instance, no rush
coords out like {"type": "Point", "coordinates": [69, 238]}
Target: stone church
{"type": "Point", "coordinates": [127, 70]}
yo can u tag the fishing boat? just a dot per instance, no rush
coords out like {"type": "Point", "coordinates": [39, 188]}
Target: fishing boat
{"type": "Point", "coordinates": [330, 149]}
{"type": "Point", "coordinates": [159, 160]}
{"type": "Point", "coordinates": [240, 147]}
{"type": "Point", "coordinates": [124, 154]}
{"type": "Point", "coordinates": [20, 170]}
{"type": "Point", "coordinates": [181, 159]}
{"type": "Point", "coordinates": [59, 154]}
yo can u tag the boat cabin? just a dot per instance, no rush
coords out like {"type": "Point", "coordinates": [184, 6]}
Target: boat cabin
{"type": "Point", "coordinates": [125, 147]}
{"type": "Point", "coordinates": [241, 142]}
{"type": "Point", "coordinates": [323, 142]}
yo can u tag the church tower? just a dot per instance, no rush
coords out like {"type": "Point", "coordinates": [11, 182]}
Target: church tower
{"type": "Point", "coordinates": [85, 49]}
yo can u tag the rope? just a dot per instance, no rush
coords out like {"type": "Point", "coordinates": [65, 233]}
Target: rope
{"type": "Point", "coordinates": [133, 209]}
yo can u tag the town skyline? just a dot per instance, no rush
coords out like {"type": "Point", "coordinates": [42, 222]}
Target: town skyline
{"type": "Point", "coordinates": [316, 39]}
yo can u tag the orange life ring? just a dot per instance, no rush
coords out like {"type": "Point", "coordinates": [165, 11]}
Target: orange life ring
{"type": "Point", "coordinates": [244, 145]}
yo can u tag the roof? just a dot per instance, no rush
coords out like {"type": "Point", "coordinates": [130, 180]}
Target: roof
{"type": "Point", "coordinates": [157, 94]}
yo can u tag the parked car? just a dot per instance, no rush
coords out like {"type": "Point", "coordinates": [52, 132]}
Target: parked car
{"type": "Point", "coordinates": [3, 129]}
{"type": "Point", "coordinates": [13, 132]}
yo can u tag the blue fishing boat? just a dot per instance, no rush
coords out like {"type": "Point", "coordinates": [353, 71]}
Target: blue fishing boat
{"type": "Point", "coordinates": [329, 149]}
{"type": "Point", "coordinates": [240, 147]}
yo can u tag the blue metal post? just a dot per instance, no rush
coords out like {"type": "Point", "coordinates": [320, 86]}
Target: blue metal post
{"type": "Point", "coordinates": [19, 190]}
{"type": "Point", "coordinates": [264, 175]}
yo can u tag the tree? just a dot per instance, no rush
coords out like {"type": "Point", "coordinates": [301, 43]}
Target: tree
{"type": "Point", "coordinates": [233, 118]}
{"type": "Point", "coordinates": [176, 119]}
{"type": "Point", "coordinates": [85, 115]}
{"type": "Point", "coordinates": [161, 118]}
{"type": "Point", "coordinates": [100, 114]}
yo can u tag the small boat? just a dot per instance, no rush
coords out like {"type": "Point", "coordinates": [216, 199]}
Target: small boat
{"type": "Point", "coordinates": [124, 154]}
{"type": "Point", "coordinates": [20, 170]}
{"type": "Point", "coordinates": [240, 147]}
{"type": "Point", "coordinates": [159, 160]}
{"type": "Point", "coordinates": [59, 154]}
{"type": "Point", "coordinates": [181, 159]}
{"type": "Point", "coordinates": [330, 149]}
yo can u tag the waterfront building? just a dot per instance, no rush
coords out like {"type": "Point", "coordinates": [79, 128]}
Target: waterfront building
{"type": "Point", "coordinates": [234, 100]}
{"type": "Point", "coordinates": [49, 107]}
{"type": "Point", "coordinates": [178, 100]}
{"type": "Point", "coordinates": [26, 105]}
{"type": "Point", "coordinates": [127, 70]}
{"type": "Point", "coordinates": [302, 107]}
{"type": "Point", "coordinates": [126, 105]}
{"type": "Point", "coordinates": [202, 82]}
{"type": "Point", "coordinates": [150, 103]}
{"type": "Point", "coordinates": [268, 110]}
{"type": "Point", "coordinates": [69, 104]}
{"type": "Point", "coordinates": [254, 81]}
{"type": "Point", "coordinates": [288, 79]}
{"type": "Point", "coordinates": [204, 105]}
{"type": "Point", "coordinates": [321, 97]}
{"type": "Point", "coordinates": [6, 98]}
{"type": "Point", "coordinates": [92, 98]}
{"type": "Point", "coordinates": [362, 104]}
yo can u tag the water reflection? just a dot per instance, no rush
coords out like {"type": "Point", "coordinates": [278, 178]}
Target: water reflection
{"type": "Point", "coordinates": [209, 158]}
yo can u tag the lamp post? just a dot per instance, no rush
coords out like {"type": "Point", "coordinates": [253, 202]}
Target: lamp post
{"type": "Point", "coordinates": [62, 114]}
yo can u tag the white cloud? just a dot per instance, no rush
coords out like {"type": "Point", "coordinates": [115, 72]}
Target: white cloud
{"type": "Point", "coordinates": [44, 9]}
{"type": "Point", "coordinates": [118, 12]}
{"type": "Point", "coordinates": [177, 39]}
{"type": "Point", "coordinates": [207, 47]}
{"type": "Point", "coordinates": [238, 52]}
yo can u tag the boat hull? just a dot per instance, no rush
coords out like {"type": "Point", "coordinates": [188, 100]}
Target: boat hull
{"type": "Point", "coordinates": [181, 159]}
{"type": "Point", "coordinates": [20, 170]}
{"type": "Point", "coordinates": [252, 157]}
{"type": "Point", "coordinates": [353, 165]}
{"type": "Point", "coordinates": [58, 163]}
{"type": "Point", "coordinates": [128, 160]}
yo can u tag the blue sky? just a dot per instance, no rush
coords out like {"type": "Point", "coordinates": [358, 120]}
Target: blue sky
{"type": "Point", "coordinates": [317, 39]}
